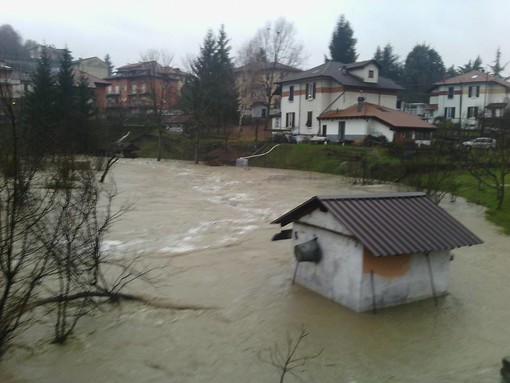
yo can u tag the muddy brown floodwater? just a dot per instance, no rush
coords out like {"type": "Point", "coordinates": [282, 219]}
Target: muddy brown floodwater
{"type": "Point", "coordinates": [207, 232]}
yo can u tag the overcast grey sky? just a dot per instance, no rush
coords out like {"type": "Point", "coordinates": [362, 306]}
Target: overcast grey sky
{"type": "Point", "coordinates": [458, 30]}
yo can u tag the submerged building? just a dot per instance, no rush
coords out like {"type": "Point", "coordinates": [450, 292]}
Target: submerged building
{"type": "Point", "coordinates": [373, 251]}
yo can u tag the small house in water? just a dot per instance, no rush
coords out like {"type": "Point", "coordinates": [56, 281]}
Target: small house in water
{"type": "Point", "coordinates": [373, 251]}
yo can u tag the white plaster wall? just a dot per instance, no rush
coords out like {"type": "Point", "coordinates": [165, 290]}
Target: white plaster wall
{"type": "Point", "coordinates": [338, 275]}
{"type": "Point", "coordinates": [356, 129]}
{"type": "Point", "coordinates": [412, 286]}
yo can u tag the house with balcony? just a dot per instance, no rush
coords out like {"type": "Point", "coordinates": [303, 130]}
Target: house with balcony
{"type": "Point", "coordinates": [136, 89]}
{"type": "Point", "coordinates": [470, 100]}
{"type": "Point", "coordinates": [347, 103]}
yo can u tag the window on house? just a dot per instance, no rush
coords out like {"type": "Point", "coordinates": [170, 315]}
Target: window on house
{"type": "Point", "coordinates": [474, 91]}
{"type": "Point", "coordinates": [310, 90]}
{"type": "Point", "coordinates": [289, 120]}
{"type": "Point", "coordinates": [450, 91]}
{"type": "Point", "coordinates": [449, 112]}
{"type": "Point", "coordinates": [264, 112]}
{"type": "Point", "coordinates": [291, 93]}
{"type": "Point", "coordinates": [134, 88]}
{"type": "Point", "coordinates": [324, 130]}
{"type": "Point", "coordinates": [117, 89]}
{"type": "Point", "coordinates": [472, 112]}
{"type": "Point", "coordinates": [309, 119]}
{"type": "Point", "coordinates": [370, 74]}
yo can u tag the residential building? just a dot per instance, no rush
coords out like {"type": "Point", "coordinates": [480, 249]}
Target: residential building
{"type": "Point", "coordinates": [92, 65]}
{"type": "Point", "coordinates": [138, 88]}
{"type": "Point", "coordinates": [421, 109]}
{"type": "Point", "coordinates": [470, 99]}
{"type": "Point", "coordinates": [14, 83]}
{"type": "Point", "coordinates": [255, 83]}
{"type": "Point", "coordinates": [332, 86]}
{"type": "Point", "coordinates": [97, 86]}
{"type": "Point", "coordinates": [355, 123]}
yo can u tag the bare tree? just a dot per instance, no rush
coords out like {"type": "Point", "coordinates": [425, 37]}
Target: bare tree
{"type": "Point", "coordinates": [287, 360]}
{"type": "Point", "coordinates": [265, 59]}
{"type": "Point", "coordinates": [53, 218]}
{"type": "Point", "coordinates": [160, 78]}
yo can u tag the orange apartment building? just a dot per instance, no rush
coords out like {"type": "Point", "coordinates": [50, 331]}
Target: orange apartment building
{"type": "Point", "coordinates": [136, 89]}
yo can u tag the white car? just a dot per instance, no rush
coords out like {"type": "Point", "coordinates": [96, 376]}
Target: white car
{"type": "Point", "coordinates": [481, 143]}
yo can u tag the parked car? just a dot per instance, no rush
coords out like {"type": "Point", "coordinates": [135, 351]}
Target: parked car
{"type": "Point", "coordinates": [480, 143]}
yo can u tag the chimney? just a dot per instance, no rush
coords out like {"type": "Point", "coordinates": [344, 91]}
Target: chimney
{"type": "Point", "coordinates": [361, 103]}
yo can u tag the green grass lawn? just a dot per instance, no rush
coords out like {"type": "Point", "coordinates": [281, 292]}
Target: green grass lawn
{"type": "Point", "coordinates": [471, 190]}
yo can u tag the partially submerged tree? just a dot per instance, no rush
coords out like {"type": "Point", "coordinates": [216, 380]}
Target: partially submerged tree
{"type": "Point", "coordinates": [54, 216]}
{"type": "Point", "coordinates": [491, 167]}
{"type": "Point", "coordinates": [343, 44]}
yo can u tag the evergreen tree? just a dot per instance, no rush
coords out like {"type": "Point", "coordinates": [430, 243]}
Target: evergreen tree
{"type": "Point", "coordinates": [228, 97]}
{"type": "Point", "coordinates": [475, 64]}
{"type": "Point", "coordinates": [388, 62]}
{"type": "Point", "coordinates": [108, 61]}
{"type": "Point", "coordinates": [423, 67]}
{"type": "Point", "coordinates": [497, 68]}
{"type": "Point", "coordinates": [343, 45]}
{"type": "Point", "coordinates": [209, 93]}
{"type": "Point", "coordinates": [41, 109]}
{"type": "Point", "coordinates": [65, 101]}
{"type": "Point", "coordinates": [451, 72]}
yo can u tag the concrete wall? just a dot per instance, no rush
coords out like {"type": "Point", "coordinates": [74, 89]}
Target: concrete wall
{"type": "Point", "coordinates": [402, 279]}
{"type": "Point", "coordinates": [356, 129]}
{"type": "Point", "coordinates": [338, 275]}
{"type": "Point", "coordinates": [344, 274]}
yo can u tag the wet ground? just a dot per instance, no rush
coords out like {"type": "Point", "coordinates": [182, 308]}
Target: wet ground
{"type": "Point", "coordinates": [206, 231]}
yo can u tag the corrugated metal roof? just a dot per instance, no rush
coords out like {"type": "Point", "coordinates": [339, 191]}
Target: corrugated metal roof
{"type": "Point", "coordinates": [391, 224]}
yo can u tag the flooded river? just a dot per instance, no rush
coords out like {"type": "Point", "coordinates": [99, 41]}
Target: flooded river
{"type": "Point", "coordinates": [207, 231]}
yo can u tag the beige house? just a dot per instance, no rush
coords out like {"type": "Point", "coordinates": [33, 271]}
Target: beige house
{"type": "Point", "coordinates": [93, 66]}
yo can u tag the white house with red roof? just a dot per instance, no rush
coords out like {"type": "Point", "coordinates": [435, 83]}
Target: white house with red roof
{"type": "Point", "coordinates": [364, 119]}
{"type": "Point", "coordinates": [469, 98]}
